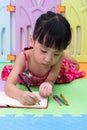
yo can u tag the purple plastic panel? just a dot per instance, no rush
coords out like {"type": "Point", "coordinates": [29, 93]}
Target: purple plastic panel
{"type": "Point", "coordinates": [27, 11]}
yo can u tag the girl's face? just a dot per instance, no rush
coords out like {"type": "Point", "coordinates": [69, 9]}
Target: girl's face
{"type": "Point", "coordinates": [44, 56]}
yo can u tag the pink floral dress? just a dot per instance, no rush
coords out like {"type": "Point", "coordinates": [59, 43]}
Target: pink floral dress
{"type": "Point", "coordinates": [67, 73]}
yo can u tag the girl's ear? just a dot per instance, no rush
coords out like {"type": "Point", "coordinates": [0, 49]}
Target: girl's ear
{"type": "Point", "coordinates": [31, 41]}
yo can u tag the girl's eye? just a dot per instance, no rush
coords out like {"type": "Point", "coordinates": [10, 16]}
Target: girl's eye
{"type": "Point", "coordinates": [57, 54]}
{"type": "Point", "coordinates": [43, 51]}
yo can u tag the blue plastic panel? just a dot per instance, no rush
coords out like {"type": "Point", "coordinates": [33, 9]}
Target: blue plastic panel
{"type": "Point", "coordinates": [4, 31]}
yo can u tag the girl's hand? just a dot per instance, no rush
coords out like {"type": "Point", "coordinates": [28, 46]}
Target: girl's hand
{"type": "Point", "coordinates": [29, 98]}
{"type": "Point", "coordinates": [45, 89]}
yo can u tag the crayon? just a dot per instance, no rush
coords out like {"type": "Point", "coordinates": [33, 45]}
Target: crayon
{"type": "Point", "coordinates": [66, 102]}
{"type": "Point", "coordinates": [62, 101]}
{"type": "Point", "coordinates": [57, 100]}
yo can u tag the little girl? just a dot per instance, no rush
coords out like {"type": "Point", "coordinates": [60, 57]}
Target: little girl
{"type": "Point", "coordinates": [42, 61]}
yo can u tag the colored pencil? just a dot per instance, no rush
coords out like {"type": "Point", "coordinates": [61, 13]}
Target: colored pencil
{"type": "Point", "coordinates": [66, 102]}
{"type": "Point", "coordinates": [57, 100]}
{"type": "Point", "coordinates": [62, 101]}
{"type": "Point", "coordinates": [24, 82]}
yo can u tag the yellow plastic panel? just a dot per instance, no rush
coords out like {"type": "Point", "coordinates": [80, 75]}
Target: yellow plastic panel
{"type": "Point", "coordinates": [76, 13]}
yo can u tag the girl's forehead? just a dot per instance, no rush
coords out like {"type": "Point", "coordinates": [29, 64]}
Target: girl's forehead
{"type": "Point", "coordinates": [51, 49]}
{"type": "Point", "coordinates": [43, 46]}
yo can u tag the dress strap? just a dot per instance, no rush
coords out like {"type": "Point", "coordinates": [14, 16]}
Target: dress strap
{"type": "Point", "coordinates": [26, 58]}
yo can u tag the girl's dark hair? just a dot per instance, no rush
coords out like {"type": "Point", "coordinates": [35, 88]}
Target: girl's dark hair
{"type": "Point", "coordinates": [52, 30]}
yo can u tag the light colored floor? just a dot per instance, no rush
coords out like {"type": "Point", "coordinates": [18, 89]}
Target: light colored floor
{"type": "Point", "coordinates": [71, 117]}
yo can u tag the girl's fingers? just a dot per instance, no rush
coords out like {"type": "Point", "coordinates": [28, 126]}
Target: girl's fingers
{"type": "Point", "coordinates": [30, 98]}
{"type": "Point", "coordinates": [45, 91]}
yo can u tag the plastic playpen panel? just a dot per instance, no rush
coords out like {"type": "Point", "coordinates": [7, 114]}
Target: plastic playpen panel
{"type": "Point", "coordinates": [76, 13]}
{"type": "Point", "coordinates": [5, 37]}
{"type": "Point", "coordinates": [15, 27]}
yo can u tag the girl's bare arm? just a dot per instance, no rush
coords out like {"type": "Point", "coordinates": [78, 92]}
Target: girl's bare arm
{"type": "Point", "coordinates": [46, 87]}
{"type": "Point", "coordinates": [72, 60]}
{"type": "Point", "coordinates": [11, 88]}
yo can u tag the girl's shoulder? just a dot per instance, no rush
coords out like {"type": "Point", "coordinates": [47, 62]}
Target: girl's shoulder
{"type": "Point", "coordinates": [25, 53]}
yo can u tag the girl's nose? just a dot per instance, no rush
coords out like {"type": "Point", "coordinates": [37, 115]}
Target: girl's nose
{"type": "Point", "coordinates": [48, 59]}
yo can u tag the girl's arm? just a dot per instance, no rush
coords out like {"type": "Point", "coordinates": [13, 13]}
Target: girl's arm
{"type": "Point", "coordinates": [11, 88]}
{"type": "Point", "coordinates": [72, 60]}
{"type": "Point", "coordinates": [46, 87]}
